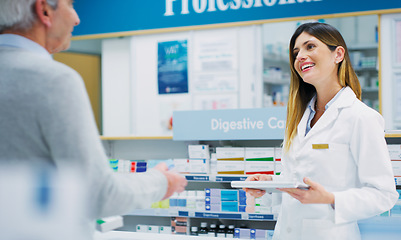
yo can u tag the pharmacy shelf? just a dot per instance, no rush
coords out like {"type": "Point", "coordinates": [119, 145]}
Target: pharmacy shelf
{"type": "Point", "coordinates": [136, 137]}
{"type": "Point", "coordinates": [358, 68]}
{"type": "Point", "coordinates": [270, 80]}
{"type": "Point", "coordinates": [398, 181]}
{"type": "Point", "coordinates": [158, 212]}
{"type": "Point", "coordinates": [370, 89]}
{"type": "Point", "coordinates": [120, 235]}
{"type": "Point", "coordinates": [358, 47]}
{"type": "Point", "coordinates": [214, 177]}
{"type": "Point", "coordinates": [393, 134]}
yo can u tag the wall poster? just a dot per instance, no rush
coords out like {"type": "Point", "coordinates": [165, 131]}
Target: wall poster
{"type": "Point", "coordinates": [398, 42]}
{"type": "Point", "coordinates": [172, 67]}
{"type": "Point", "coordinates": [215, 63]}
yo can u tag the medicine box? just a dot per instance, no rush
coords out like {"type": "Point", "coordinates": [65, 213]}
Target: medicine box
{"type": "Point", "coordinates": [109, 223]}
{"type": "Point", "coordinates": [153, 229]}
{"type": "Point", "coordinates": [396, 167]}
{"type": "Point", "coordinates": [141, 228]}
{"type": "Point", "coordinates": [199, 165]}
{"type": "Point", "coordinates": [165, 230]}
{"type": "Point", "coordinates": [263, 167]}
{"type": "Point", "coordinates": [181, 165]}
{"type": "Point", "coordinates": [212, 200]}
{"type": "Point", "coordinates": [230, 167]}
{"type": "Point", "coordinates": [229, 195]}
{"type": "Point", "coordinates": [229, 206]}
{"type": "Point", "coordinates": [242, 233]}
{"type": "Point", "coordinates": [394, 151]}
{"type": "Point", "coordinates": [198, 151]}
{"type": "Point", "coordinates": [213, 207]}
{"type": "Point", "coordinates": [212, 192]}
{"type": "Point", "coordinates": [259, 154]}
{"type": "Point", "coordinates": [230, 153]}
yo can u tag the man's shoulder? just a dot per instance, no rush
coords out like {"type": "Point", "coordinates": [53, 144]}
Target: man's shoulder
{"type": "Point", "coordinates": [35, 65]}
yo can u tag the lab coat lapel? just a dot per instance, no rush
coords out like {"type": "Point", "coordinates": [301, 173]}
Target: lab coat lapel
{"type": "Point", "coordinates": [346, 99]}
{"type": "Point", "coordinates": [301, 128]}
{"type": "Point", "coordinates": [328, 117]}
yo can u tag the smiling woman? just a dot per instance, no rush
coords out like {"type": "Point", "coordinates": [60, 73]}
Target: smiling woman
{"type": "Point", "coordinates": [333, 142]}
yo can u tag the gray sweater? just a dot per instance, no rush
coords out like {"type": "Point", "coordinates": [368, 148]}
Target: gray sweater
{"type": "Point", "coordinates": [45, 118]}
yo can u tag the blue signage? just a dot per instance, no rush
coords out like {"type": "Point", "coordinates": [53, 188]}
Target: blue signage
{"type": "Point", "coordinates": [229, 179]}
{"type": "Point", "coordinates": [172, 67]}
{"type": "Point", "coordinates": [261, 216]}
{"type": "Point", "coordinates": [230, 124]}
{"type": "Point", "coordinates": [104, 16]}
{"type": "Point", "coordinates": [218, 215]}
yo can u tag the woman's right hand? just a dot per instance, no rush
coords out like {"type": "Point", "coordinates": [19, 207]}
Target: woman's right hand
{"type": "Point", "coordinates": [257, 177]}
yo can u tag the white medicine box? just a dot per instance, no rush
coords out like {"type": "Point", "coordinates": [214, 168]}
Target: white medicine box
{"type": "Point", "coordinates": [198, 151]}
{"type": "Point", "coordinates": [394, 151]}
{"type": "Point", "coordinates": [230, 153]}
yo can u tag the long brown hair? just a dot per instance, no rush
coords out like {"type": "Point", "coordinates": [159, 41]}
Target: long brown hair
{"type": "Point", "coordinates": [301, 92]}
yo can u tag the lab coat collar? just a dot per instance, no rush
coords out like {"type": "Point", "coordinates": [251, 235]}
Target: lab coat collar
{"type": "Point", "coordinates": [346, 99]}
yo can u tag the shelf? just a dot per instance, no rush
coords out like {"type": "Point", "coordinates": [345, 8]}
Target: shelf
{"type": "Point", "coordinates": [276, 59]}
{"type": "Point", "coordinates": [159, 212]}
{"type": "Point", "coordinates": [214, 177]}
{"type": "Point", "coordinates": [122, 235]}
{"type": "Point", "coordinates": [368, 46]}
{"type": "Point", "coordinates": [281, 81]}
{"type": "Point", "coordinates": [136, 138]}
{"type": "Point", "coordinates": [358, 69]}
{"type": "Point", "coordinates": [393, 134]}
{"type": "Point", "coordinates": [369, 89]}
{"type": "Point", "coordinates": [398, 181]}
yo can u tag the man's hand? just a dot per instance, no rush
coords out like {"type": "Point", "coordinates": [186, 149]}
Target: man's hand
{"type": "Point", "coordinates": [175, 182]}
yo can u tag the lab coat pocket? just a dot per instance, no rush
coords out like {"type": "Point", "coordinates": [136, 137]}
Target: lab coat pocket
{"type": "Point", "coordinates": [332, 163]}
{"type": "Point", "coordinates": [317, 229]}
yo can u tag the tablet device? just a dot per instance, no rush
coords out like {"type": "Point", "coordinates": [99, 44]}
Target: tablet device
{"type": "Point", "coordinates": [268, 186]}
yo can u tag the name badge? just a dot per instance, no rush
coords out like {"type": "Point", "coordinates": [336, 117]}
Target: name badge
{"type": "Point", "coordinates": [320, 146]}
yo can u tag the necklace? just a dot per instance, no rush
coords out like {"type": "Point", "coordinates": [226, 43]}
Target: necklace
{"type": "Point", "coordinates": [317, 109]}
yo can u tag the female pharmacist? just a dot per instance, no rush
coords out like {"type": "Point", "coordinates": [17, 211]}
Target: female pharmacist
{"type": "Point", "coordinates": [333, 142]}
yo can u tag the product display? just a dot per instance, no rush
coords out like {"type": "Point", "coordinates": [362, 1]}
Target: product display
{"type": "Point", "coordinates": [217, 201]}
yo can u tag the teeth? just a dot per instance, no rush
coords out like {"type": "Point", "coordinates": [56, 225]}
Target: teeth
{"type": "Point", "coordinates": [307, 65]}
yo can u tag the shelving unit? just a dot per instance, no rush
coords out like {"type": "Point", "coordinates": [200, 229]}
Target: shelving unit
{"type": "Point", "coordinates": [364, 58]}
{"type": "Point", "coordinates": [145, 148]}
{"type": "Point", "coordinates": [141, 148]}
{"type": "Point", "coordinates": [276, 80]}
{"type": "Point", "coordinates": [202, 214]}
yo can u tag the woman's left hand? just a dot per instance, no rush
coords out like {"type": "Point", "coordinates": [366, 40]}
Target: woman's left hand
{"type": "Point", "coordinates": [315, 194]}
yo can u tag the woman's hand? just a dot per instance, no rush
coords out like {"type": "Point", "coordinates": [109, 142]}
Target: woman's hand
{"type": "Point", "coordinates": [257, 177]}
{"type": "Point", "coordinates": [315, 194]}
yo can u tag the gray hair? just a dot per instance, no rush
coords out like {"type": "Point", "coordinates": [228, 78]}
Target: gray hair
{"type": "Point", "coordinates": [19, 14]}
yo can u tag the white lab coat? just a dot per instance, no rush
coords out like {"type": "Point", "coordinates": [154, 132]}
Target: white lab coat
{"type": "Point", "coordinates": [356, 167]}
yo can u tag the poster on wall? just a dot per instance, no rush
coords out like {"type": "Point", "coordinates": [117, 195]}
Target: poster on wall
{"type": "Point", "coordinates": [215, 63]}
{"type": "Point", "coordinates": [398, 42]}
{"type": "Point", "coordinates": [172, 67]}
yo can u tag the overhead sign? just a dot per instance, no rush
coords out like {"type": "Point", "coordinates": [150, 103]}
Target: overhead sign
{"type": "Point", "coordinates": [103, 16]}
{"type": "Point", "coordinates": [232, 124]}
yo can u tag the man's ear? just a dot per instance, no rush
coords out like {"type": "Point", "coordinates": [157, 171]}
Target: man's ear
{"type": "Point", "coordinates": [340, 53]}
{"type": "Point", "coordinates": [43, 11]}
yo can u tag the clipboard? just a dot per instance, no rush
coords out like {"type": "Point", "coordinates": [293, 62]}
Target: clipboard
{"type": "Point", "coordinates": [268, 186]}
